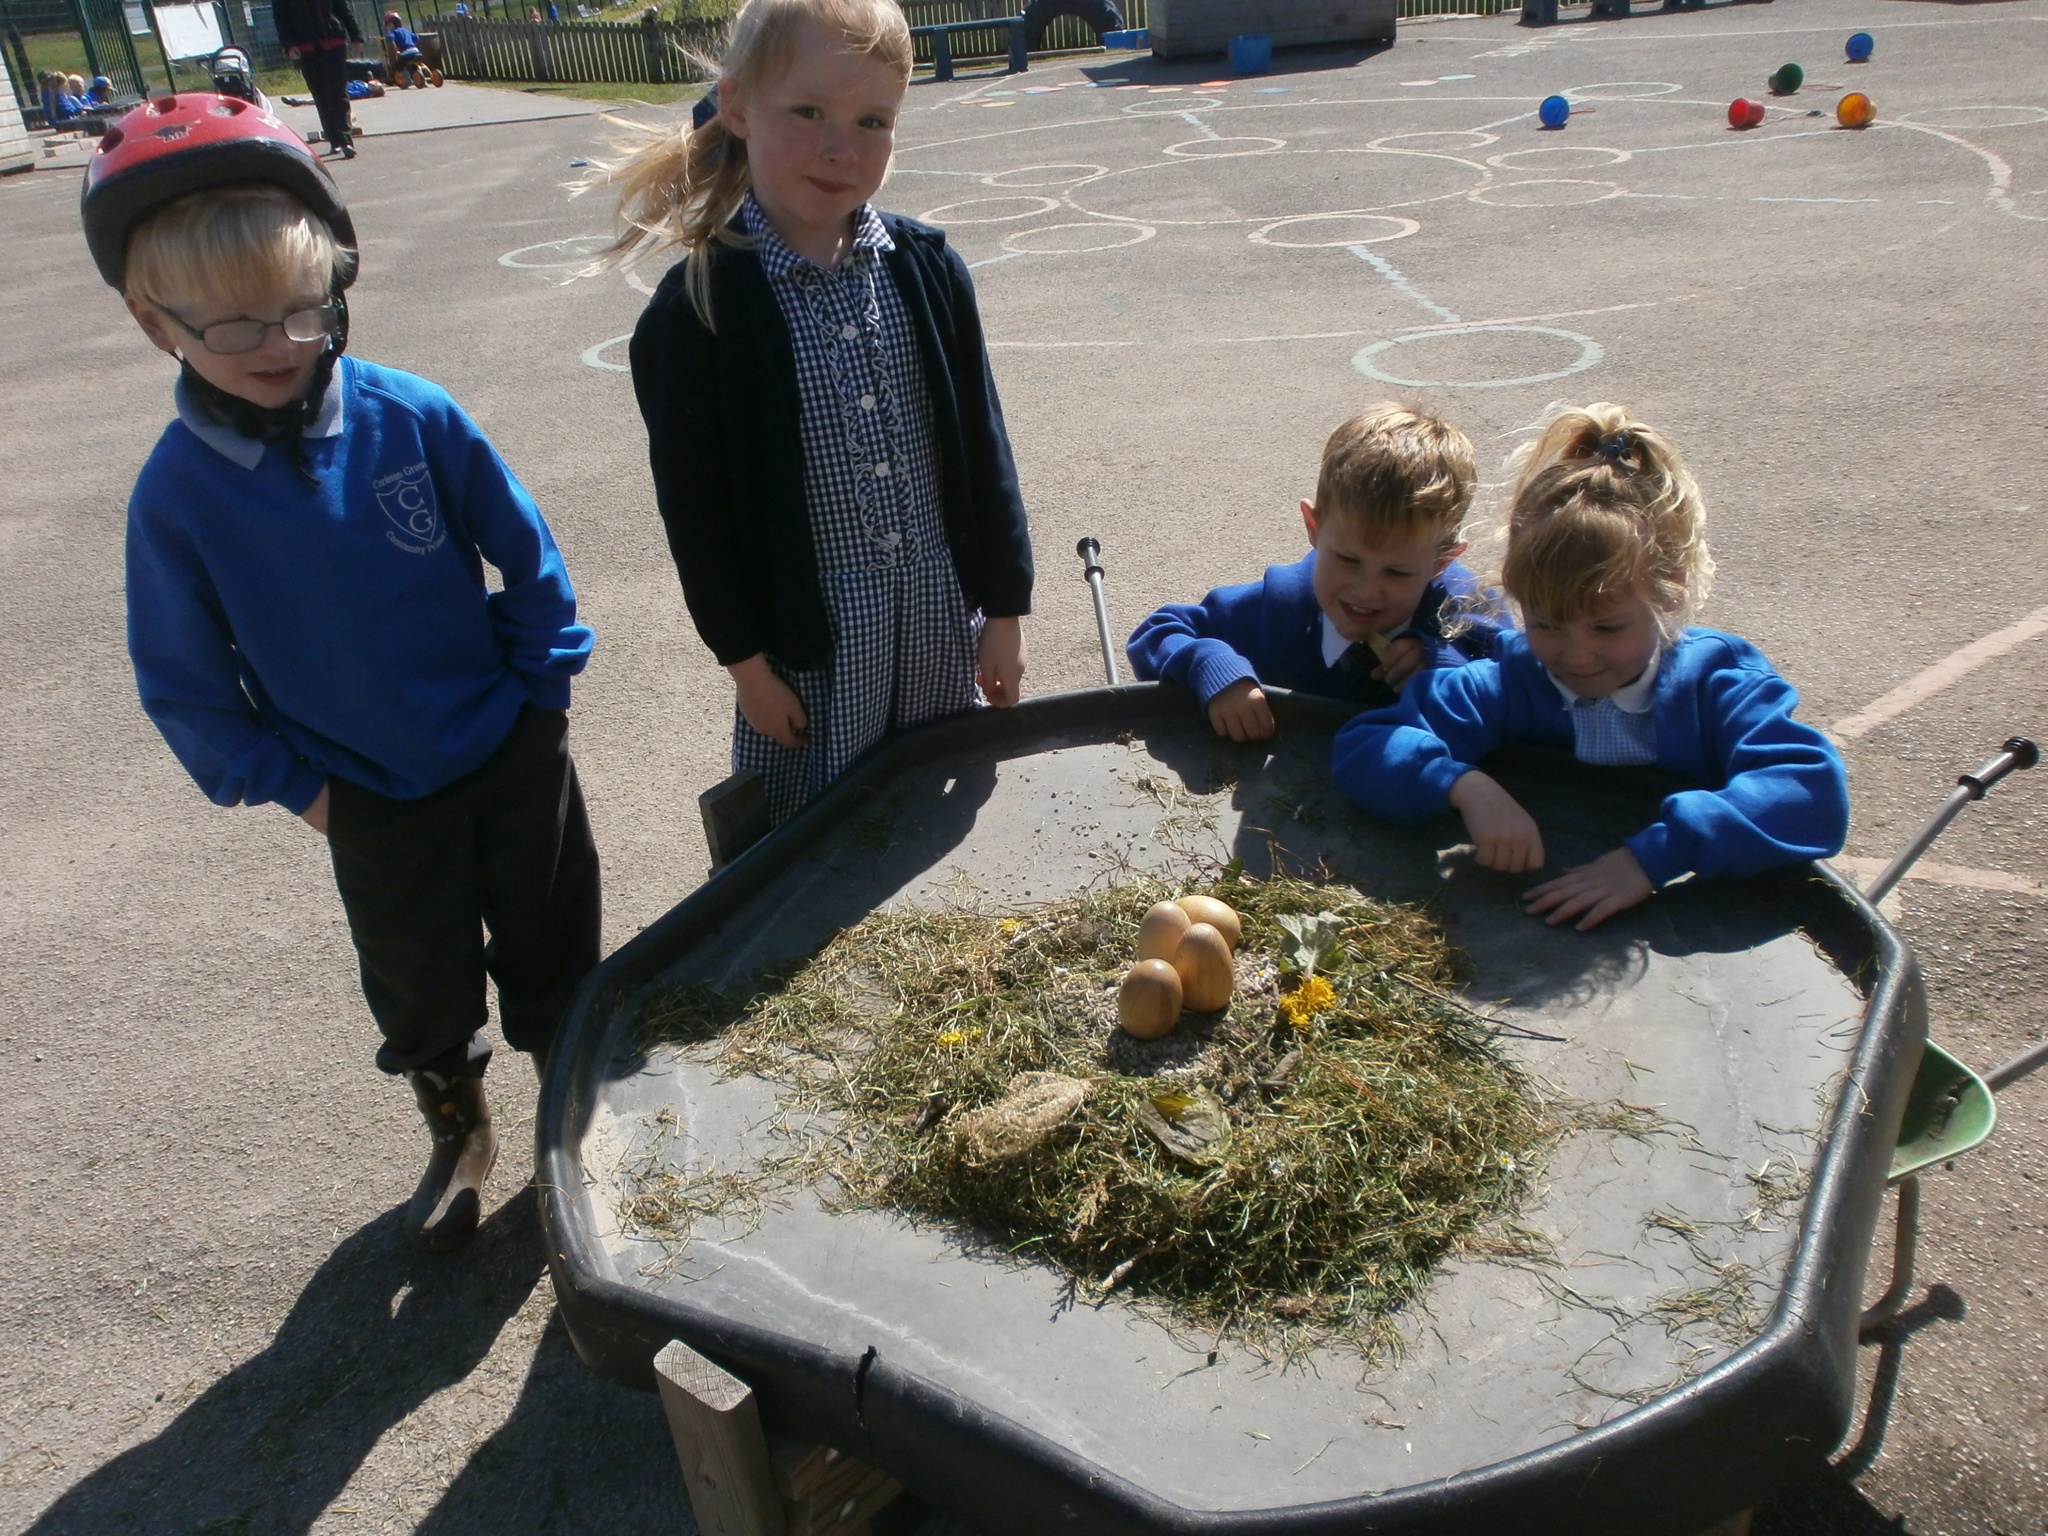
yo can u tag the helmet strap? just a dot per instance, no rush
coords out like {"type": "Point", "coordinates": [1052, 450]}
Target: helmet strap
{"type": "Point", "coordinates": [283, 425]}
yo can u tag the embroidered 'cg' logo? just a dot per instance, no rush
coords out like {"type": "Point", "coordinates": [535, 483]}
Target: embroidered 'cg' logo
{"type": "Point", "coordinates": [408, 501]}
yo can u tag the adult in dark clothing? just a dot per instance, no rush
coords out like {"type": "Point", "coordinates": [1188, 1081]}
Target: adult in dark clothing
{"type": "Point", "coordinates": [316, 33]}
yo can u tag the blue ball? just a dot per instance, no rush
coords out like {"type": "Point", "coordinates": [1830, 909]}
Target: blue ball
{"type": "Point", "coordinates": [1554, 111]}
{"type": "Point", "coordinates": [1860, 46]}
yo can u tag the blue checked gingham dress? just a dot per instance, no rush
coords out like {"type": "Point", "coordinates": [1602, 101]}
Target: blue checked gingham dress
{"type": "Point", "coordinates": [903, 642]}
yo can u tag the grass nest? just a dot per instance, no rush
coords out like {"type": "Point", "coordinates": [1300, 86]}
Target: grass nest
{"type": "Point", "coordinates": [1293, 1164]}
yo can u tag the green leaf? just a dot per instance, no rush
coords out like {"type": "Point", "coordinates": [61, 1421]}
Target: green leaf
{"type": "Point", "coordinates": [1315, 941]}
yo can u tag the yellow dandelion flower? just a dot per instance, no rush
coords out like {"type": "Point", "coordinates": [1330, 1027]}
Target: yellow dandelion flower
{"type": "Point", "coordinates": [1312, 997]}
{"type": "Point", "coordinates": [953, 1037]}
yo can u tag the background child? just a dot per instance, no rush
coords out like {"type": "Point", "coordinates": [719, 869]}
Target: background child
{"type": "Point", "coordinates": [1378, 597]}
{"type": "Point", "coordinates": [829, 454]}
{"type": "Point", "coordinates": [1607, 559]}
{"type": "Point", "coordinates": [309, 622]}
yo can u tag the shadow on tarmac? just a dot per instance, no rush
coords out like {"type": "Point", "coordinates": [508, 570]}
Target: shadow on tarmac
{"type": "Point", "coordinates": [379, 1330]}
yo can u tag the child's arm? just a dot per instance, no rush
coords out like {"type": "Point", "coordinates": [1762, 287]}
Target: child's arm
{"type": "Point", "coordinates": [1413, 760]}
{"type": "Point", "coordinates": [1784, 798]}
{"type": "Point", "coordinates": [1000, 659]}
{"type": "Point", "coordinates": [535, 613]}
{"type": "Point", "coordinates": [191, 684]}
{"type": "Point", "coordinates": [1197, 646]}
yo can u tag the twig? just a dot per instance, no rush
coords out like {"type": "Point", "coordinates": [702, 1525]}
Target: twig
{"type": "Point", "coordinates": [1116, 1276]}
{"type": "Point", "coordinates": [1312, 1460]}
{"type": "Point", "coordinates": [1485, 1018]}
{"type": "Point", "coordinates": [1217, 1343]}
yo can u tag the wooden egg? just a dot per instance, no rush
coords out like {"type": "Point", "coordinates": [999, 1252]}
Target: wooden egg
{"type": "Point", "coordinates": [1207, 978]}
{"type": "Point", "coordinates": [1219, 915]}
{"type": "Point", "coordinates": [1148, 1002]}
{"type": "Point", "coordinates": [1160, 931]}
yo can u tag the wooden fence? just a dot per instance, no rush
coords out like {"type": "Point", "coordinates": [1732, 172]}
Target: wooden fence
{"type": "Point", "coordinates": [627, 52]}
{"type": "Point", "coordinates": [665, 52]}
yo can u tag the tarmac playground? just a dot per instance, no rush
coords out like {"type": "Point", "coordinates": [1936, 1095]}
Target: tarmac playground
{"type": "Point", "coordinates": [1187, 280]}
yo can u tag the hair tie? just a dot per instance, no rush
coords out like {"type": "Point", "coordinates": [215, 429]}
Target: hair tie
{"type": "Point", "coordinates": [1615, 447]}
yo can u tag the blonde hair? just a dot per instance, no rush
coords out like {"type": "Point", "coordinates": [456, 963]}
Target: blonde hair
{"type": "Point", "coordinates": [1397, 472]}
{"type": "Point", "coordinates": [249, 243]}
{"type": "Point", "coordinates": [1604, 508]}
{"type": "Point", "coordinates": [683, 187]}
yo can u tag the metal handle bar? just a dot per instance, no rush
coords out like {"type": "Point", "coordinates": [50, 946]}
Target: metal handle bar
{"type": "Point", "coordinates": [2018, 752]}
{"type": "Point", "coordinates": [1090, 552]}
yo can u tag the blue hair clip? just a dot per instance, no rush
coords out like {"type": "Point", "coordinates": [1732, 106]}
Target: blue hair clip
{"type": "Point", "coordinates": [1615, 446]}
{"type": "Point", "coordinates": [705, 110]}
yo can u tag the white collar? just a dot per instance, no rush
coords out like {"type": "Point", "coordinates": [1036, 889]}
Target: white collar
{"type": "Point", "coordinates": [248, 451]}
{"type": "Point", "coordinates": [1631, 698]}
{"type": "Point", "coordinates": [1335, 645]}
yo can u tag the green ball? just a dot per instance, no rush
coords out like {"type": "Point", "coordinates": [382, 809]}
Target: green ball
{"type": "Point", "coordinates": [1786, 79]}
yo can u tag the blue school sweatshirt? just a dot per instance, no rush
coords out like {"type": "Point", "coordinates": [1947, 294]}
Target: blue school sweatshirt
{"type": "Point", "coordinates": [283, 633]}
{"type": "Point", "coordinates": [1271, 630]}
{"type": "Point", "coordinates": [1772, 789]}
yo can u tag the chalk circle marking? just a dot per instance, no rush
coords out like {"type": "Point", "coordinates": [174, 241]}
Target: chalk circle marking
{"type": "Point", "coordinates": [951, 213]}
{"type": "Point", "coordinates": [2010, 205]}
{"type": "Point", "coordinates": [1095, 240]}
{"type": "Point", "coordinates": [1066, 177]}
{"type": "Point", "coordinates": [572, 252]}
{"type": "Point", "coordinates": [1623, 90]}
{"type": "Point", "coordinates": [1473, 139]}
{"type": "Point", "coordinates": [1606, 190]}
{"type": "Point", "coordinates": [1223, 149]}
{"type": "Point", "coordinates": [1965, 117]}
{"type": "Point", "coordinates": [1565, 157]}
{"type": "Point", "coordinates": [1591, 353]}
{"type": "Point", "coordinates": [593, 357]}
{"type": "Point", "coordinates": [1265, 234]}
{"type": "Point", "coordinates": [1150, 106]}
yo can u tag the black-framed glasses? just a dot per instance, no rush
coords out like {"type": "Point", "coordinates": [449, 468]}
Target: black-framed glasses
{"type": "Point", "coordinates": [228, 337]}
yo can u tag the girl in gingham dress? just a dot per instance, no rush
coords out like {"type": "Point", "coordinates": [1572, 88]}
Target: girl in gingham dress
{"type": "Point", "coordinates": [1607, 560]}
{"type": "Point", "coordinates": [829, 454]}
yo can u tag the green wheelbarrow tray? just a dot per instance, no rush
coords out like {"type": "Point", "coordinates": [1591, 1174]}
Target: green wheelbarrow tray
{"type": "Point", "coordinates": [1949, 1111]}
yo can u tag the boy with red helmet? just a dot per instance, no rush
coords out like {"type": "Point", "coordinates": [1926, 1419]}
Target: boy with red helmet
{"type": "Point", "coordinates": [308, 617]}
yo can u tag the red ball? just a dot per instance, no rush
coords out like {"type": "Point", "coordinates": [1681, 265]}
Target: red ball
{"type": "Point", "coordinates": [1738, 113]}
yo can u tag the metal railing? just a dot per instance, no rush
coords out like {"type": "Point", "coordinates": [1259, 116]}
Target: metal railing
{"type": "Point", "coordinates": [633, 52]}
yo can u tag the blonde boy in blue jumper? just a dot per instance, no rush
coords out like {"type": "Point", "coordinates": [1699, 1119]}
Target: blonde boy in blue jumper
{"type": "Point", "coordinates": [1607, 560]}
{"type": "Point", "coordinates": [309, 620]}
{"type": "Point", "coordinates": [1379, 597]}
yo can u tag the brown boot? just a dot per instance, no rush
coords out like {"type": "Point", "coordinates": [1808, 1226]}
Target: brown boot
{"type": "Point", "coordinates": [447, 1205]}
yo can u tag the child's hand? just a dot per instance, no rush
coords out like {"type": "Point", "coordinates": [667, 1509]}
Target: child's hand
{"type": "Point", "coordinates": [315, 815]}
{"type": "Point", "coordinates": [1241, 712]}
{"type": "Point", "coordinates": [1504, 836]}
{"type": "Point", "coordinates": [1000, 663]}
{"type": "Point", "coordinates": [1612, 883]}
{"type": "Point", "coordinates": [1402, 659]}
{"type": "Point", "coordinates": [769, 704]}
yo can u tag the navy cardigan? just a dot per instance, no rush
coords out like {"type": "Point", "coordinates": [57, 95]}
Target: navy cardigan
{"type": "Point", "coordinates": [725, 439]}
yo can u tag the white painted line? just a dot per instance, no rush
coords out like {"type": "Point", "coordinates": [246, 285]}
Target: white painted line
{"type": "Point", "coordinates": [1949, 670]}
{"type": "Point", "coordinates": [1863, 871]}
{"type": "Point", "coordinates": [1392, 274]}
{"type": "Point", "coordinates": [989, 261]}
{"type": "Point", "coordinates": [1816, 199]}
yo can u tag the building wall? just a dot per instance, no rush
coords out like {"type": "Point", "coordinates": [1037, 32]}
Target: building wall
{"type": "Point", "coordinates": [17, 149]}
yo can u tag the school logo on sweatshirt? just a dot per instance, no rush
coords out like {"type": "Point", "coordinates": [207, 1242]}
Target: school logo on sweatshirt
{"type": "Point", "coordinates": [408, 501]}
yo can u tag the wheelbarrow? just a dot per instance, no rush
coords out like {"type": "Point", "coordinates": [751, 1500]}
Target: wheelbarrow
{"type": "Point", "coordinates": [1684, 1347]}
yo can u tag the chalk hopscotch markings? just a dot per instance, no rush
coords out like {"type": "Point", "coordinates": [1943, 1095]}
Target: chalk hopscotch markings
{"type": "Point", "coordinates": [1636, 90]}
{"type": "Point", "coordinates": [1591, 354]}
{"type": "Point", "coordinates": [1816, 199]}
{"type": "Point", "coordinates": [1479, 140]}
{"type": "Point", "coordinates": [1062, 179]}
{"type": "Point", "coordinates": [1398, 281]}
{"type": "Point", "coordinates": [1198, 125]}
{"type": "Point", "coordinates": [1531, 199]}
{"type": "Point", "coordinates": [989, 261]}
{"type": "Point", "coordinates": [1095, 236]}
{"type": "Point", "coordinates": [594, 357]}
{"type": "Point", "coordinates": [953, 213]}
{"type": "Point", "coordinates": [1179, 107]}
{"type": "Point", "coordinates": [1999, 193]}
{"type": "Point", "coordinates": [1965, 117]}
{"type": "Point", "coordinates": [1944, 674]}
{"type": "Point", "coordinates": [1216, 147]}
{"type": "Point", "coordinates": [1265, 233]}
{"type": "Point", "coordinates": [1562, 157]}
{"type": "Point", "coordinates": [574, 251]}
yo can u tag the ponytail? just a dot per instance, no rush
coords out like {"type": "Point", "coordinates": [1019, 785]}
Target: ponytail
{"type": "Point", "coordinates": [1604, 507]}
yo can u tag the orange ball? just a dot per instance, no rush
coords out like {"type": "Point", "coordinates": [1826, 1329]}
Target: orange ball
{"type": "Point", "coordinates": [1855, 111]}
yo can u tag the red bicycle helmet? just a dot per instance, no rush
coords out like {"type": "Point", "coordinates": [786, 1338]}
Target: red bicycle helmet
{"type": "Point", "coordinates": [179, 144]}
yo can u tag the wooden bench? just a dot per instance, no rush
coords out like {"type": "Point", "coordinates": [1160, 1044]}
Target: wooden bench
{"type": "Point", "coordinates": [941, 34]}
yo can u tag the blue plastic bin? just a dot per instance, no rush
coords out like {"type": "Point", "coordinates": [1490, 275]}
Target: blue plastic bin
{"type": "Point", "coordinates": [1251, 53]}
{"type": "Point", "coordinates": [1135, 38]}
